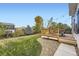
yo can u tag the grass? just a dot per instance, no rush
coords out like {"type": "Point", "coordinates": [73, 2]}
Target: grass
{"type": "Point", "coordinates": [27, 46]}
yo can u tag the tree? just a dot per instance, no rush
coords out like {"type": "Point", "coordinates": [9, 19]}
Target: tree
{"type": "Point", "coordinates": [60, 25]}
{"type": "Point", "coordinates": [67, 29]}
{"type": "Point", "coordinates": [64, 27]}
{"type": "Point", "coordinates": [52, 25]}
{"type": "Point", "coordinates": [39, 23]}
{"type": "Point", "coordinates": [28, 30]}
{"type": "Point", "coordinates": [50, 22]}
{"type": "Point", "coordinates": [2, 29]}
{"type": "Point", "coordinates": [36, 29]}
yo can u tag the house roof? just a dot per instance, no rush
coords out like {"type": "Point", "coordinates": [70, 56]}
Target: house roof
{"type": "Point", "coordinates": [72, 8]}
{"type": "Point", "coordinates": [6, 23]}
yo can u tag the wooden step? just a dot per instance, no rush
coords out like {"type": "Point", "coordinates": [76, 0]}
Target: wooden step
{"type": "Point", "coordinates": [68, 41]}
{"type": "Point", "coordinates": [47, 37]}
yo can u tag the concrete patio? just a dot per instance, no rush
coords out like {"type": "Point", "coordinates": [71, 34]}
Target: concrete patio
{"type": "Point", "coordinates": [65, 50]}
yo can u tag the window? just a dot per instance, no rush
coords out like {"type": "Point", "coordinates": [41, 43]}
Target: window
{"type": "Point", "coordinates": [77, 21]}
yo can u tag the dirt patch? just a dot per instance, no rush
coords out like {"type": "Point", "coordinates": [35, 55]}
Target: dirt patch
{"type": "Point", "coordinates": [48, 46]}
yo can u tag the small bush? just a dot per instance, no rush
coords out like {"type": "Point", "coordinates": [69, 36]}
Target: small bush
{"type": "Point", "coordinates": [18, 32]}
{"type": "Point", "coordinates": [2, 33]}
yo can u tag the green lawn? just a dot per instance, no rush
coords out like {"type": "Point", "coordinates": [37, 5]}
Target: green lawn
{"type": "Point", "coordinates": [27, 46]}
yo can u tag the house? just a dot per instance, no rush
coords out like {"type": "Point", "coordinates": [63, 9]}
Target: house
{"type": "Point", "coordinates": [8, 25]}
{"type": "Point", "coordinates": [9, 28]}
{"type": "Point", "coordinates": [74, 13]}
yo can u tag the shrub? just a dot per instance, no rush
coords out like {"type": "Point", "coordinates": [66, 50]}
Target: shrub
{"type": "Point", "coordinates": [2, 32]}
{"type": "Point", "coordinates": [18, 32]}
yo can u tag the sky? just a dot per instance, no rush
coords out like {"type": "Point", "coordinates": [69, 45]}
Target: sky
{"type": "Point", "coordinates": [23, 14]}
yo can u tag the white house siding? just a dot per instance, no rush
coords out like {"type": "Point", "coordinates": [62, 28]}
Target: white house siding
{"type": "Point", "coordinates": [76, 36]}
{"type": "Point", "coordinates": [73, 22]}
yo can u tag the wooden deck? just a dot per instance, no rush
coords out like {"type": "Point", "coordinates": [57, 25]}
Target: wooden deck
{"type": "Point", "coordinates": [67, 39]}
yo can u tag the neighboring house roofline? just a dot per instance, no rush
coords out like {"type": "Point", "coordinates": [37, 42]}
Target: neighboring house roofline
{"type": "Point", "coordinates": [6, 23]}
